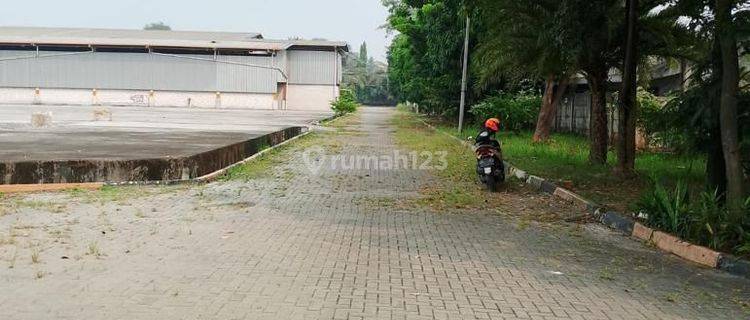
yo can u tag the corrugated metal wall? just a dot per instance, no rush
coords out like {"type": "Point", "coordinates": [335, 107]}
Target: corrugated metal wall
{"type": "Point", "coordinates": [574, 113]}
{"type": "Point", "coordinates": [138, 71]}
{"type": "Point", "coordinates": [314, 67]}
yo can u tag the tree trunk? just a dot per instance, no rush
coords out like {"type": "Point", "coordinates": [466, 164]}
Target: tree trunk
{"type": "Point", "coordinates": [730, 76]}
{"type": "Point", "coordinates": [598, 134]}
{"type": "Point", "coordinates": [628, 104]}
{"type": "Point", "coordinates": [550, 101]}
{"type": "Point", "coordinates": [716, 173]}
{"type": "Point", "coordinates": [684, 75]}
{"type": "Point", "coordinates": [562, 87]}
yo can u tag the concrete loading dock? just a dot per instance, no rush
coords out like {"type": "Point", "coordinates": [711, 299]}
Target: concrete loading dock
{"type": "Point", "coordinates": [135, 105]}
{"type": "Point", "coordinates": [138, 144]}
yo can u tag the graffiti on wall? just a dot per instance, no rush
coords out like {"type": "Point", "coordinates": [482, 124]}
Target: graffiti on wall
{"type": "Point", "coordinates": [139, 99]}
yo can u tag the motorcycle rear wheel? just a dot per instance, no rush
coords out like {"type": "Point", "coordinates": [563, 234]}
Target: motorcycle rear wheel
{"type": "Point", "coordinates": [491, 184]}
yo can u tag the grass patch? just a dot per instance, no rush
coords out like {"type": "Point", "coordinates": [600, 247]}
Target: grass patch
{"type": "Point", "coordinates": [672, 297]}
{"type": "Point", "coordinates": [460, 189]}
{"type": "Point", "coordinates": [120, 194]}
{"type": "Point", "coordinates": [263, 165]}
{"type": "Point", "coordinates": [257, 168]}
{"type": "Point", "coordinates": [139, 214]}
{"type": "Point", "coordinates": [564, 159]}
{"type": "Point", "coordinates": [7, 240]}
{"type": "Point", "coordinates": [606, 274]}
{"type": "Point", "coordinates": [35, 256]}
{"type": "Point", "coordinates": [49, 206]}
{"type": "Point", "coordinates": [12, 260]}
{"type": "Point", "coordinates": [113, 193]}
{"type": "Point", "coordinates": [93, 250]}
{"type": "Point", "coordinates": [343, 122]}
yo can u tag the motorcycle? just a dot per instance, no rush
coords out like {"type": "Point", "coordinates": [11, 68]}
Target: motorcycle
{"type": "Point", "coordinates": [490, 166]}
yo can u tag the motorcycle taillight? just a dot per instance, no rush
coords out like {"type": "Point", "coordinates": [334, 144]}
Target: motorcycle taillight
{"type": "Point", "coordinates": [485, 151]}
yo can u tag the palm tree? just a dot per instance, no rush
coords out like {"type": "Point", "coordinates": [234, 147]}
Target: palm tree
{"type": "Point", "coordinates": [522, 42]}
{"type": "Point", "coordinates": [711, 102]}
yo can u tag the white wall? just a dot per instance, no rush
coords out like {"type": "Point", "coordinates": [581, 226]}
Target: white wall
{"type": "Point", "coordinates": [138, 98]}
{"type": "Point", "coordinates": [311, 97]}
{"type": "Point", "coordinates": [299, 97]}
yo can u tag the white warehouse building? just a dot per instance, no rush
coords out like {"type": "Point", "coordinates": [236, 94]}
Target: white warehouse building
{"type": "Point", "coordinates": [166, 68]}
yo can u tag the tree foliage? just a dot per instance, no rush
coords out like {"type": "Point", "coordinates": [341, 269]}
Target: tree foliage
{"type": "Point", "coordinates": [345, 103]}
{"type": "Point", "coordinates": [696, 113]}
{"type": "Point", "coordinates": [425, 57]}
{"type": "Point", "coordinates": [516, 111]}
{"type": "Point", "coordinates": [157, 26]}
{"type": "Point", "coordinates": [367, 78]}
{"type": "Point", "coordinates": [530, 43]}
{"type": "Point", "coordinates": [363, 55]}
{"type": "Point", "coordinates": [522, 41]}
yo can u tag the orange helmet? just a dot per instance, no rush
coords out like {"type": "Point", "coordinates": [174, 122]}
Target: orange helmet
{"type": "Point", "coordinates": [492, 124]}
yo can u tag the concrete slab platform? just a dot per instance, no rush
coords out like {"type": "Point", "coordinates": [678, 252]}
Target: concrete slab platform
{"type": "Point", "coordinates": [138, 143]}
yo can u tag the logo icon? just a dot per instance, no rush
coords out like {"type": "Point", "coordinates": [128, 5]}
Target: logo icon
{"type": "Point", "coordinates": [314, 159]}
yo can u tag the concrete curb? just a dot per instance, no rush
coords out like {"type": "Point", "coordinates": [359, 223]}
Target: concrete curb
{"type": "Point", "coordinates": [626, 225]}
{"type": "Point", "coordinates": [23, 188]}
{"type": "Point", "coordinates": [213, 176]}
{"type": "Point", "coordinates": [675, 245]}
{"type": "Point", "coordinates": [642, 232]}
{"type": "Point", "coordinates": [27, 188]}
{"type": "Point", "coordinates": [216, 174]}
{"type": "Point", "coordinates": [324, 121]}
{"type": "Point", "coordinates": [618, 222]}
{"type": "Point", "coordinates": [734, 265]}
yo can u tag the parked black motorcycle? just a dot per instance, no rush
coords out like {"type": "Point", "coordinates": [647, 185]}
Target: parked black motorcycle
{"type": "Point", "coordinates": [490, 166]}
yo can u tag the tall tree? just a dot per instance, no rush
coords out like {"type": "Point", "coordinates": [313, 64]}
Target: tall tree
{"type": "Point", "coordinates": [431, 34]}
{"type": "Point", "coordinates": [590, 27]}
{"type": "Point", "coordinates": [523, 42]}
{"type": "Point", "coordinates": [645, 35]}
{"type": "Point", "coordinates": [707, 112]}
{"type": "Point", "coordinates": [363, 55]}
{"type": "Point", "coordinates": [628, 105]}
{"type": "Point", "coordinates": [730, 78]}
{"type": "Point", "coordinates": [157, 26]}
{"type": "Point", "coordinates": [367, 78]}
{"type": "Point", "coordinates": [550, 102]}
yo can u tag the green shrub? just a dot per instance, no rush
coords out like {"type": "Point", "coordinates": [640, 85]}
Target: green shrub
{"type": "Point", "coordinates": [345, 103]}
{"type": "Point", "coordinates": [667, 210]}
{"type": "Point", "coordinates": [516, 111]}
{"type": "Point", "coordinates": [651, 116]}
{"type": "Point", "coordinates": [655, 120]}
{"type": "Point", "coordinates": [651, 109]}
{"type": "Point", "coordinates": [701, 219]}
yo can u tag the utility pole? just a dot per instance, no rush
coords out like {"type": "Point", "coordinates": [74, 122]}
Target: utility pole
{"type": "Point", "coordinates": [463, 78]}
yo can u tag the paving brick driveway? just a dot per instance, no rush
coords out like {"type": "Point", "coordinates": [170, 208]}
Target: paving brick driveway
{"type": "Point", "coordinates": [304, 246]}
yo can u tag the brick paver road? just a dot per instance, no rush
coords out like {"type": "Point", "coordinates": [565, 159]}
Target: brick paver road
{"type": "Point", "coordinates": [304, 246]}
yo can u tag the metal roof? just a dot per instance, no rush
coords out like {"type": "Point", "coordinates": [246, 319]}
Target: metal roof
{"type": "Point", "coordinates": [150, 38]}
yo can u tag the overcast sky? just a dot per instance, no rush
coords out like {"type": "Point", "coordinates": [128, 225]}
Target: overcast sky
{"type": "Point", "coordinates": [353, 21]}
